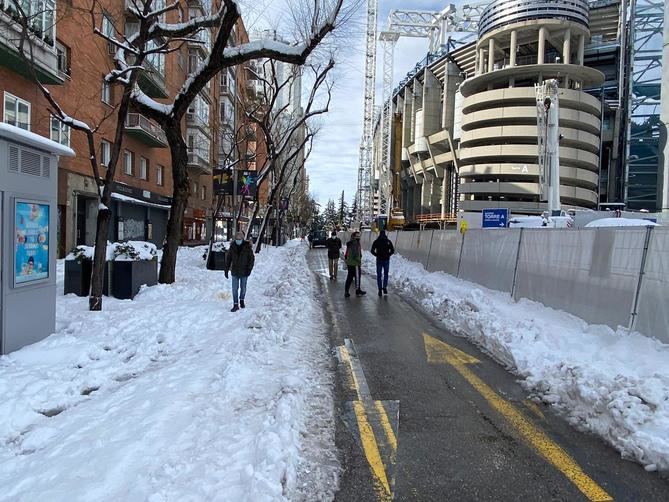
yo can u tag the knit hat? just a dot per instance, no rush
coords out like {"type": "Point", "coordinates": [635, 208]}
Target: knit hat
{"type": "Point", "coordinates": [239, 235]}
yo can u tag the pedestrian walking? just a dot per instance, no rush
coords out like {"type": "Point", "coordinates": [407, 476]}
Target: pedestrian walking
{"type": "Point", "coordinates": [239, 260]}
{"type": "Point", "coordinates": [334, 249]}
{"type": "Point", "coordinates": [353, 257]}
{"type": "Point", "coordinates": [383, 249]}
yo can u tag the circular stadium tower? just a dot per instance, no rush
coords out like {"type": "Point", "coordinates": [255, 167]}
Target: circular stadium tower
{"type": "Point", "coordinates": [520, 44]}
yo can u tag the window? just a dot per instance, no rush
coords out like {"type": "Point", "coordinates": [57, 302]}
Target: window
{"type": "Point", "coordinates": [195, 188]}
{"type": "Point", "coordinates": [63, 55]}
{"type": "Point", "coordinates": [60, 132]}
{"type": "Point", "coordinates": [127, 162]}
{"type": "Point", "coordinates": [160, 170]}
{"type": "Point", "coordinates": [40, 14]}
{"type": "Point", "coordinates": [143, 168]}
{"type": "Point", "coordinates": [203, 192]}
{"type": "Point", "coordinates": [105, 152]}
{"type": "Point", "coordinates": [17, 112]}
{"type": "Point", "coordinates": [106, 92]}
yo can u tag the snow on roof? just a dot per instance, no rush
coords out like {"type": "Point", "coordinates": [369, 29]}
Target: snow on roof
{"type": "Point", "coordinates": [132, 200]}
{"type": "Point", "coordinates": [28, 138]}
{"type": "Point", "coordinates": [620, 222]}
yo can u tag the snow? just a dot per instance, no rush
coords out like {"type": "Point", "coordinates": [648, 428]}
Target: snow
{"type": "Point", "coordinates": [620, 222]}
{"type": "Point", "coordinates": [133, 200]}
{"type": "Point", "coordinates": [134, 251]}
{"type": "Point", "coordinates": [139, 96]}
{"type": "Point", "coordinates": [172, 397]}
{"type": "Point", "coordinates": [614, 384]}
{"type": "Point", "coordinates": [19, 135]}
{"type": "Point", "coordinates": [264, 44]}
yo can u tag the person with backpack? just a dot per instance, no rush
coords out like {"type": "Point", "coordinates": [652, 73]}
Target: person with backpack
{"type": "Point", "coordinates": [334, 248]}
{"type": "Point", "coordinates": [239, 260]}
{"type": "Point", "coordinates": [383, 249]}
{"type": "Point", "coordinates": [353, 257]}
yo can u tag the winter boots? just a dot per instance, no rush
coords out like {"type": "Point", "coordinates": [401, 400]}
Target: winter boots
{"type": "Point", "coordinates": [241, 304]}
{"type": "Point", "coordinates": [360, 292]}
{"type": "Point", "coordinates": [235, 308]}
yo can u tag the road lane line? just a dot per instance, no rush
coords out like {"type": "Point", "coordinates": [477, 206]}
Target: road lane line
{"type": "Point", "coordinates": [368, 411]}
{"type": "Point", "coordinates": [370, 447]}
{"type": "Point", "coordinates": [385, 423]}
{"type": "Point", "coordinates": [551, 451]}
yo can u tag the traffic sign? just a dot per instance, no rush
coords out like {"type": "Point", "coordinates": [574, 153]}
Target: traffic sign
{"type": "Point", "coordinates": [495, 218]}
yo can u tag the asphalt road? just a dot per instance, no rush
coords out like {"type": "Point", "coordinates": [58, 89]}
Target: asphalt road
{"type": "Point", "coordinates": [424, 415]}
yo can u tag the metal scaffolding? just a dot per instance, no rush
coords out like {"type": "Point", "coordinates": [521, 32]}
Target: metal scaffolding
{"type": "Point", "coordinates": [643, 128]}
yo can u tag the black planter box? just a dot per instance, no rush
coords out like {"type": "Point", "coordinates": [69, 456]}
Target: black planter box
{"type": "Point", "coordinates": [216, 260]}
{"type": "Point", "coordinates": [78, 277]}
{"type": "Point", "coordinates": [129, 276]}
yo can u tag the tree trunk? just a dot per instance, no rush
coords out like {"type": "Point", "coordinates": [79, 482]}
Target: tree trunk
{"type": "Point", "coordinates": [179, 153]}
{"type": "Point", "coordinates": [263, 226]}
{"type": "Point", "coordinates": [100, 255]}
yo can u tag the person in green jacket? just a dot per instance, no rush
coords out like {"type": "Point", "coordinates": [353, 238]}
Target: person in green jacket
{"type": "Point", "coordinates": [353, 257]}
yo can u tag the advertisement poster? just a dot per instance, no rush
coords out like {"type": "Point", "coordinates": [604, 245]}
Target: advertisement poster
{"type": "Point", "coordinates": [223, 182]}
{"type": "Point", "coordinates": [31, 249]}
{"type": "Point", "coordinates": [246, 183]}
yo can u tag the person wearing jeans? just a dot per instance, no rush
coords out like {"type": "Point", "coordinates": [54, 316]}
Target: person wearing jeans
{"type": "Point", "coordinates": [383, 249]}
{"type": "Point", "coordinates": [239, 260]}
{"type": "Point", "coordinates": [353, 257]}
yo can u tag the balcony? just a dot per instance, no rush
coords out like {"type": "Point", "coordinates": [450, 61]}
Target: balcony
{"type": "Point", "coordinates": [200, 41]}
{"type": "Point", "coordinates": [152, 82]}
{"type": "Point", "coordinates": [142, 129]}
{"type": "Point", "coordinates": [194, 120]}
{"type": "Point", "coordinates": [44, 50]}
{"type": "Point", "coordinates": [197, 162]}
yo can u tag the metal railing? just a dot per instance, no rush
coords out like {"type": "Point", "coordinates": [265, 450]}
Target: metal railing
{"type": "Point", "coordinates": [139, 121]}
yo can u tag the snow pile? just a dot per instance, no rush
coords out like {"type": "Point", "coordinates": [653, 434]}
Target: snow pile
{"type": "Point", "coordinates": [81, 253]}
{"type": "Point", "coordinates": [612, 383]}
{"type": "Point", "coordinates": [172, 397]}
{"type": "Point", "coordinates": [620, 222]}
{"type": "Point", "coordinates": [134, 251]}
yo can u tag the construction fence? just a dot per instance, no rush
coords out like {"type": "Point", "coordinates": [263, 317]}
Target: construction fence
{"type": "Point", "coordinates": [611, 276]}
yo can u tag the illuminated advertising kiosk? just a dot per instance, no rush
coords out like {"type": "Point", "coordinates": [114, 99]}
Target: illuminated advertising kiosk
{"type": "Point", "coordinates": [28, 219]}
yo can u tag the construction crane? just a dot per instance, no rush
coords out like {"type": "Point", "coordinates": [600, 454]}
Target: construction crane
{"type": "Point", "coordinates": [401, 23]}
{"type": "Point", "coordinates": [548, 132]}
{"type": "Point", "coordinates": [364, 193]}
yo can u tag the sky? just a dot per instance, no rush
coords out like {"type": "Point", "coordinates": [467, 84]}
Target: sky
{"type": "Point", "coordinates": [334, 161]}
{"type": "Point", "coordinates": [333, 164]}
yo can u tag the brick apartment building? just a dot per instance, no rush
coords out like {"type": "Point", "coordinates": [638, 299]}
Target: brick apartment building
{"type": "Point", "coordinates": [73, 61]}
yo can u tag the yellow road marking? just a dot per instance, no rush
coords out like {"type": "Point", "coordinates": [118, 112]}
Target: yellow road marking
{"type": "Point", "coordinates": [439, 351]}
{"type": "Point", "coordinates": [370, 447]}
{"type": "Point", "coordinates": [368, 441]}
{"type": "Point", "coordinates": [387, 428]}
{"type": "Point", "coordinates": [534, 408]}
{"type": "Point", "coordinates": [347, 358]}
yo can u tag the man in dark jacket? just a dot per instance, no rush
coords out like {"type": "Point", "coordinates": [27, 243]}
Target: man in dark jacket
{"type": "Point", "coordinates": [239, 260]}
{"type": "Point", "coordinates": [334, 247]}
{"type": "Point", "coordinates": [383, 249]}
{"type": "Point", "coordinates": [353, 257]}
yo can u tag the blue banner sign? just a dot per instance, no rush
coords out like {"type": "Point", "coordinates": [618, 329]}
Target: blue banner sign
{"type": "Point", "coordinates": [495, 218]}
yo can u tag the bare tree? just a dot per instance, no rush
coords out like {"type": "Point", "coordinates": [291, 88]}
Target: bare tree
{"type": "Point", "coordinates": [127, 82]}
{"type": "Point", "coordinates": [287, 132]}
{"type": "Point", "coordinates": [160, 36]}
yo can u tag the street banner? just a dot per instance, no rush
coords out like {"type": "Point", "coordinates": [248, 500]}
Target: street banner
{"type": "Point", "coordinates": [246, 183]}
{"type": "Point", "coordinates": [223, 182]}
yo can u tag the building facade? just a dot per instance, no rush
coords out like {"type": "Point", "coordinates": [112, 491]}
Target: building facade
{"type": "Point", "coordinates": [72, 61]}
{"type": "Point", "coordinates": [464, 135]}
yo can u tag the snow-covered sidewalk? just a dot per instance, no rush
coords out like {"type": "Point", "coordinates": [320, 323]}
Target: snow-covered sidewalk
{"type": "Point", "coordinates": [171, 397]}
{"type": "Point", "coordinates": [612, 383]}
